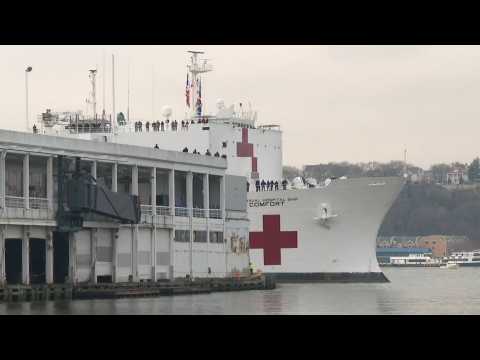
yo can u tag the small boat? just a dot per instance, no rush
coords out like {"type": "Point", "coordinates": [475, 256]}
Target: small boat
{"type": "Point", "coordinates": [450, 265]}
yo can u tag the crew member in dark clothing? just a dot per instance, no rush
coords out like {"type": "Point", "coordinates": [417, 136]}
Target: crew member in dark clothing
{"type": "Point", "coordinates": [217, 154]}
{"type": "Point", "coordinates": [34, 129]}
{"type": "Point", "coordinates": [271, 185]}
{"type": "Point", "coordinates": [263, 183]}
{"type": "Point", "coordinates": [248, 186]}
{"type": "Point", "coordinates": [156, 146]}
{"type": "Point", "coordinates": [284, 184]}
{"type": "Point", "coordinates": [194, 151]}
{"type": "Point", "coordinates": [268, 185]}
{"type": "Point", "coordinates": [147, 126]}
{"type": "Point", "coordinates": [208, 153]}
{"type": "Point", "coordinates": [276, 185]}
{"type": "Point", "coordinates": [185, 149]}
{"type": "Point", "coordinates": [257, 185]}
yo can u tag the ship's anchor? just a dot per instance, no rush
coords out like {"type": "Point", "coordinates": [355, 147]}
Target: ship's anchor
{"type": "Point", "coordinates": [325, 215]}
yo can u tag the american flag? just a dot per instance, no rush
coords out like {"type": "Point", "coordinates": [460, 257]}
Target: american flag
{"type": "Point", "coordinates": [187, 93]}
{"type": "Point", "coordinates": [199, 99]}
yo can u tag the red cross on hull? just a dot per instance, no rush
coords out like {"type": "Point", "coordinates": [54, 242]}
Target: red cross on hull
{"type": "Point", "coordinates": [245, 149]}
{"type": "Point", "coordinates": [272, 240]}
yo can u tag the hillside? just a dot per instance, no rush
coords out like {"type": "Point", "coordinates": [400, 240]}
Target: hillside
{"type": "Point", "coordinates": [424, 209]}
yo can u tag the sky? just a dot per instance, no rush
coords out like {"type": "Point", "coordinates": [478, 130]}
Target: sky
{"type": "Point", "coordinates": [333, 103]}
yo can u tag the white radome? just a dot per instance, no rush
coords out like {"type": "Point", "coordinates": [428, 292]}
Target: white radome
{"type": "Point", "coordinates": [167, 111]}
{"type": "Point", "coordinates": [297, 183]}
{"type": "Point", "coordinates": [312, 182]}
{"type": "Point", "coordinates": [220, 104]}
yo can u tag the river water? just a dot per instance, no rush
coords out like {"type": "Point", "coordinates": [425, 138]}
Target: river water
{"type": "Point", "coordinates": [411, 291]}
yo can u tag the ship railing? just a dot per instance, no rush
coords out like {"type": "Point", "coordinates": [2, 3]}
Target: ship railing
{"type": "Point", "coordinates": [14, 201]}
{"type": "Point", "coordinates": [182, 211]}
{"type": "Point", "coordinates": [146, 209]}
{"type": "Point", "coordinates": [215, 213]}
{"type": "Point", "coordinates": [38, 203]}
{"type": "Point", "coordinates": [162, 210]}
{"type": "Point", "coordinates": [199, 213]}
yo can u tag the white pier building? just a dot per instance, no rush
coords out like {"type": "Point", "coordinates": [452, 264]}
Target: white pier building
{"type": "Point", "coordinates": [189, 225]}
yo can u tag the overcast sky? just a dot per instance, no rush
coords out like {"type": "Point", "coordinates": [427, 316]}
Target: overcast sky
{"type": "Point", "coordinates": [333, 103]}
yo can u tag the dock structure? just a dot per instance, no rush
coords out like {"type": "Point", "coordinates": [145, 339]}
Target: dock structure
{"type": "Point", "coordinates": [193, 221]}
{"type": "Point", "coordinates": [15, 293]}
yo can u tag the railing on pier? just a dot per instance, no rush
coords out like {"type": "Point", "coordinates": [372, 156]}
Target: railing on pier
{"type": "Point", "coordinates": [159, 210]}
{"type": "Point", "coordinates": [163, 210]}
{"type": "Point", "coordinates": [182, 211]}
{"type": "Point", "coordinates": [198, 213]}
{"type": "Point", "coordinates": [38, 203]}
{"type": "Point", "coordinates": [14, 202]}
{"type": "Point", "coordinates": [146, 209]}
{"type": "Point", "coordinates": [215, 213]}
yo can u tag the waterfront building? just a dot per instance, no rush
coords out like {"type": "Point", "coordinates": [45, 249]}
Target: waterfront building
{"type": "Point", "coordinates": [193, 216]}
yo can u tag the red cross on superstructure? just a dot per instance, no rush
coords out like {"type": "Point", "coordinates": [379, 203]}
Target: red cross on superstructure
{"type": "Point", "coordinates": [272, 240]}
{"type": "Point", "coordinates": [245, 149]}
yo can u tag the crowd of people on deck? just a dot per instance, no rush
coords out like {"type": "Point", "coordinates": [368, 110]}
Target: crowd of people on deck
{"type": "Point", "coordinates": [207, 153]}
{"type": "Point", "coordinates": [268, 185]}
{"type": "Point", "coordinates": [164, 125]}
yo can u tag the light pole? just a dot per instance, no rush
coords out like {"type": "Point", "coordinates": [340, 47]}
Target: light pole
{"type": "Point", "coordinates": [27, 70]}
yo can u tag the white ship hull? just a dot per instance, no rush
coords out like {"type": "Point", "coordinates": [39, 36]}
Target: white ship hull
{"type": "Point", "coordinates": [339, 248]}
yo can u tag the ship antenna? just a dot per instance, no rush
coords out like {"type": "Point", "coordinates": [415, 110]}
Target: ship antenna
{"type": "Point", "coordinates": [405, 164]}
{"type": "Point", "coordinates": [114, 120]}
{"type": "Point", "coordinates": [93, 74]}
{"type": "Point", "coordinates": [128, 92]}
{"type": "Point", "coordinates": [103, 81]}
{"type": "Point", "coordinates": [153, 87]}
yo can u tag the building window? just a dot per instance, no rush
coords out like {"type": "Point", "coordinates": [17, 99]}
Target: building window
{"type": "Point", "coordinates": [182, 236]}
{"type": "Point", "coordinates": [216, 237]}
{"type": "Point", "coordinates": [200, 236]}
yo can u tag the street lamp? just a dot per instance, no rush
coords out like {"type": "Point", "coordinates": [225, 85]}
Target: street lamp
{"type": "Point", "coordinates": [27, 70]}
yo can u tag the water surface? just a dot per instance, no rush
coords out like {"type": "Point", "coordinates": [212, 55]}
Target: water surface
{"type": "Point", "coordinates": [411, 291]}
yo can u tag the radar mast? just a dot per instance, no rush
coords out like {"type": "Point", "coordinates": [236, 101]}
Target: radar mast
{"type": "Point", "coordinates": [196, 68]}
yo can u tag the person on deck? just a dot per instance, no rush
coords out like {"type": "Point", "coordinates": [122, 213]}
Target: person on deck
{"type": "Point", "coordinates": [257, 185]}
{"type": "Point", "coordinates": [156, 146]}
{"type": "Point", "coordinates": [284, 184]}
{"type": "Point", "coordinates": [276, 185]}
{"type": "Point", "coordinates": [263, 183]}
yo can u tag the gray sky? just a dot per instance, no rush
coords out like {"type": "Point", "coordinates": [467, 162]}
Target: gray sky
{"type": "Point", "coordinates": [334, 103]}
